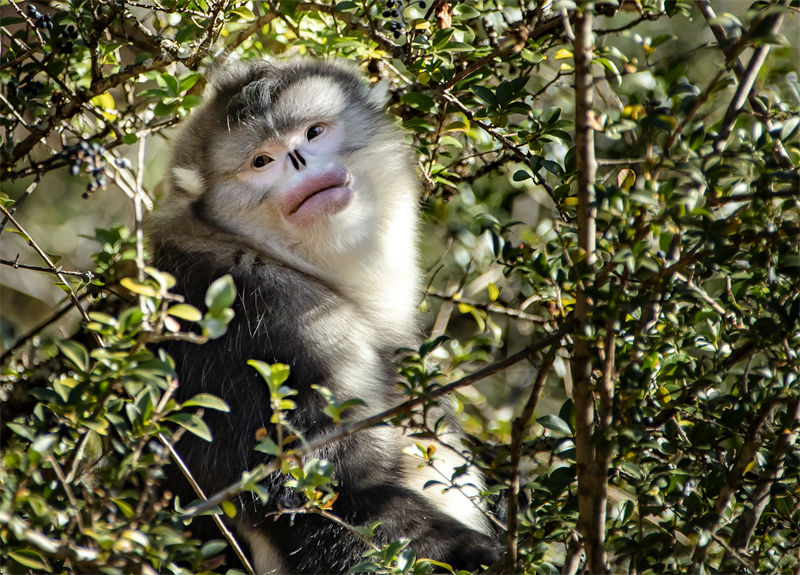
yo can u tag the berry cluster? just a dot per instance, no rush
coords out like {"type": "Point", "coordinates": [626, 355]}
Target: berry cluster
{"type": "Point", "coordinates": [68, 34]}
{"type": "Point", "coordinates": [43, 21]}
{"type": "Point", "coordinates": [394, 10]}
{"type": "Point", "coordinates": [90, 157]}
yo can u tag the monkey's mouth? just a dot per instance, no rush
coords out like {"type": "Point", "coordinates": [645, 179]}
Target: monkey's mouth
{"type": "Point", "coordinates": [320, 194]}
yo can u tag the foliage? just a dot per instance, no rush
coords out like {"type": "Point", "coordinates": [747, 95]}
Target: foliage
{"type": "Point", "coordinates": [650, 281]}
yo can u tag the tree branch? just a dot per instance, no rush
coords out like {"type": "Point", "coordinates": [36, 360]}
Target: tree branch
{"type": "Point", "coordinates": [734, 476]}
{"type": "Point", "coordinates": [518, 431]}
{"type": "Point", "coordinates": [264, 470]}
{"type": "Point", "coordinates": [592, 471]}
{"type": "Point", "coordinates": [759, 497]}
{"type": "Point", "coordinates": [72, 295]}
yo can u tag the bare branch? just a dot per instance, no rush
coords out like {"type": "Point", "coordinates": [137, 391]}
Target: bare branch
{"type": "Point", "coordinates": [734, 476]}
{"type": "Point", "coordinates": [85, 276]}
{"type": "Point", "coordinates": [759, 497]}
{"type": "Point", "coordinates": [262, 471]}
{"type": "Point", "coordinates": [226, 532]}
{"type": "Point", "coordinates": [72, 295]}
{"type": "Point", "coordinates": [518, 431]}
{"type": "Point", "coordinates": [591, 464]}
{"type": "Point", "coordinates": [748, 78]}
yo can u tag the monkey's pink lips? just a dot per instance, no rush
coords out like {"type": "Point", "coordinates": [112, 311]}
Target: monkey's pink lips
{"type": "Point", "coordinates": [321, 194]}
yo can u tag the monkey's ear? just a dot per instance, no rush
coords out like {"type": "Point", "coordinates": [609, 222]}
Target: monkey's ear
{"type": "Point", "coordinates": [378, 95]}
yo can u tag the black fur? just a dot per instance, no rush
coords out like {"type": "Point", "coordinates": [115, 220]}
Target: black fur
{"type": "Point", "coordinates": [271, 298]}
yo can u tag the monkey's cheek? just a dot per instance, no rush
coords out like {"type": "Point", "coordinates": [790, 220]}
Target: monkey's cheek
{"type": "Point", "coordinates": [322, 204]}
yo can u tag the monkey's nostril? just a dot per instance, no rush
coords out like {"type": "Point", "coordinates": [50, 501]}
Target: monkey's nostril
{"type": "Point", "coordinates": [299, 157]}
{"type": "Point", "coordinates": [294, 161]}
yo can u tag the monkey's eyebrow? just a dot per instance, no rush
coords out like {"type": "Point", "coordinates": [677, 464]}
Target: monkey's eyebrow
{"type": "Point", "coordinates": [291, 123]}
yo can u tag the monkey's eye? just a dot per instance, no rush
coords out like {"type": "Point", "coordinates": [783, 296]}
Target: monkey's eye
{"type": "Point", "coordinates": [314, 131]}
{"type": "Point", "coordinates": [261, 161]}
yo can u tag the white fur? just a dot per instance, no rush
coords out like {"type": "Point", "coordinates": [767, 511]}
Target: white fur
{"type": "Point", "coordinates": [459, 499]}
{"type": "Point", "coordinates": [265, 556]}
{"type": "Point", "coordinates": [316, 94]}
{"type": "Point", "coordinates": [188, 180]}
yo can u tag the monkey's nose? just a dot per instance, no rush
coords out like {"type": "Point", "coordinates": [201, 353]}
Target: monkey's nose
{"type": "Point", "coordinates": [297, 159]}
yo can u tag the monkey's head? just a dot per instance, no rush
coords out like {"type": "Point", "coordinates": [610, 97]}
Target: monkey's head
{"type": "Point", "coordinates": [297, 156]}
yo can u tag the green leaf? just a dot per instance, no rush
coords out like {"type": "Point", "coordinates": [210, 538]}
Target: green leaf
{"type": "Point", "coordinates": [221, 294]}
{"type": "Point", "coordinates": [75, 353]}
{"type": "Point", "coordinates": [274, 374]}
{"type": "Point", "coordinates": [268, 446]}
{"type": "Point", "coordinates": [191, 101]}
{"type": "Point", "coordinates": [137, 287]}
{"type": "Point", "coordinates": [419, 101]}
{"type": "Point", "coordinates": [189, 80]}
{"type": "Point", "coordinates": [229, 509]}
{"type": "Point", "coordinates": [213, 547]}
{"type": "Point", "coordinates": [555, 423]}
{"type": "Point", "coordinates": [32, 559]}
{"type": "Point", "coordinates": [185, 311]}
{"type": "Point", "coordinates": [485, 94]}
{"type": "Point", "coordinates": [215, 325]}
{"type": "Point", "coordinates": [192, 423]}
{"type": "Point", "coordinates": [123, 506]}
{"type": "Point", "coordinates": [170, 83]}
{"type": "Point", "coordinates": [165, 108]}
{"type": "Point", "coordinates": [244, 13]}
{"type": "Point", "coordinates": [207, 400]}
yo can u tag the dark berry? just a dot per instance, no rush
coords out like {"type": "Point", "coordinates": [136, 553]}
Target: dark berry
{"type": "Point", "coordinates": [386, 13]}
{"type": "Point", "coordinates": [422, 4]}
{"type": "Point", "coordinates": [396, 35]}
{"type": "Point", "coordinates": [395, 14]}
{"type": "Point", "coordinates": [34, 13]}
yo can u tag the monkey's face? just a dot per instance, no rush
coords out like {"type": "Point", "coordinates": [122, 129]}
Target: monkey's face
{"type": "Point", "coordinates": [297, 157]}
{"type": "Point", "coordinates": [300, 176]}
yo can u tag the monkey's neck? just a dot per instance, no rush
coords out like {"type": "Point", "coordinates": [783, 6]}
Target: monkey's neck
{"type": "Point", "coordinates": [383, 283]}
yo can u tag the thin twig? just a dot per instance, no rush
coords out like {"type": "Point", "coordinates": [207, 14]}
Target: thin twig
{"type": "Point", "coordinates": [30, 22]}
{"type": "Point", "coordinates": [68, 490]}
{"type": "Point", "coordinates": [746, 83]}
{"type": "Point", "coordinates": [726, 45]}
{"type": "Point", "coordinates": [85, 276]}
{"type": "Point", "coordinates": [15, 206]}
{"type": "Point", "coordinates": [508, 145]}
{"type": "Point", "coordinates": [66, 308]}
{"type": "Point", "coordinates": [72, 295]}
{"type": "Point", "coordinates": [490, 306]}
{"type": "Point", "coordinates": [735, 474]}
{"type": "Point", "coordinates": [518, 431]}
{"type": "Point", "coordinates": [760, 495]}
{"type": "Point", "coordinates": [226, 532]}
{"type": "Point", "coordinates": [512, 44]}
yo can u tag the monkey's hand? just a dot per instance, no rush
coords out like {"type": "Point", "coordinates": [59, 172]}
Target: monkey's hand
{"type": "Point", "coordinates": [459, 546]}
{"type": "Point", "coordinates": [472, 550]}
